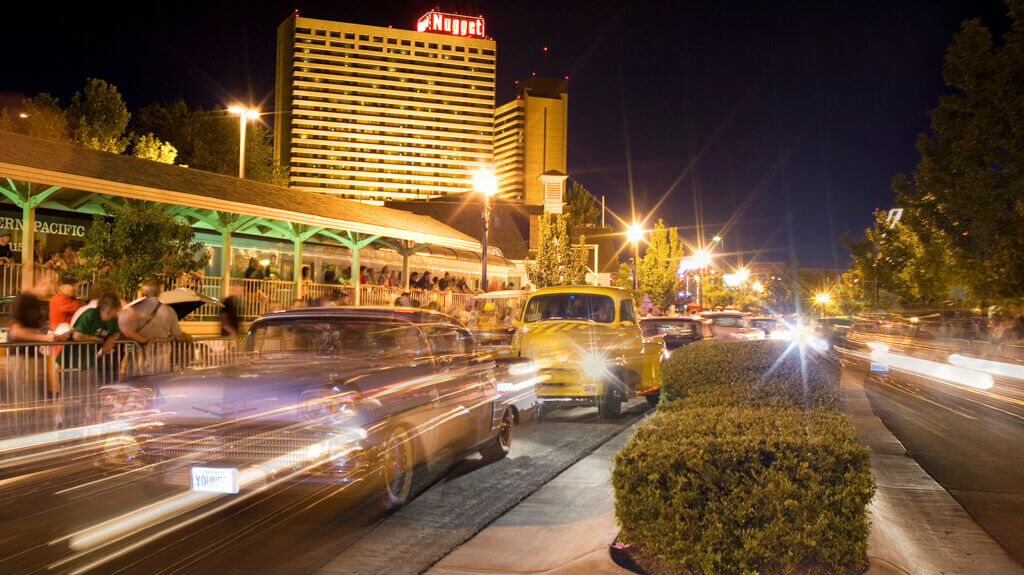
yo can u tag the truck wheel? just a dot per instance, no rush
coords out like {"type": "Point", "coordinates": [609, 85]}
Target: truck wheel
{"type": "Point", "coordinates": [610, 405]}
{"type": "Point", "coordinates": [499, 448]}
{"type": "Point", "coordinates": [652, 398]}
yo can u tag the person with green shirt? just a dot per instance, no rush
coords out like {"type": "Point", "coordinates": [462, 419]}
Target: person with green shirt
{"type": "Point", "coordinates": [96, 325]}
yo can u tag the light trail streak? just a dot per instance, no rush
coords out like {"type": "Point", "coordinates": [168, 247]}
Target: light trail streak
{"type": "Point", "coordinates": [940, 371]}
{"type": "Point", "coordinates": [999, 368]}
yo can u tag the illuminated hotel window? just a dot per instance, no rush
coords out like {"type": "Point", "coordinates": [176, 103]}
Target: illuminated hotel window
{"type": "Point", "coordinates": [321, 32]}
{"type": "Point", "coordinates": [432, 46]}
{"type": "Point", "coordinates": [364, 37]}
{"type": "Point", "coordinates": [472, 50]}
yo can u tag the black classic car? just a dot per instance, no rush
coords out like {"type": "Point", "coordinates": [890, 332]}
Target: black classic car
{"type": "Point", "coordinates": [336, 394]}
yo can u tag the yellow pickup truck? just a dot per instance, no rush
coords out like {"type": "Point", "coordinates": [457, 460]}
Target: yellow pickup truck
{"type": "Point", "coordinates": [588, 348]}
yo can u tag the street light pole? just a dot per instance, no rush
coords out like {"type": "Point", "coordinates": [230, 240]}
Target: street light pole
{"type": "Point", "coordinates": [484, 183]}
{"type": "Point", "coordinates": [634, 234]}
{"type": "Point", "coordinates": [244, 115]}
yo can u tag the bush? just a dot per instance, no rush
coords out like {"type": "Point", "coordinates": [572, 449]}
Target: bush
{"type": "Point", "coordinates": [766, 372]}
{"type": "Point", "coordinates": [730, 489]}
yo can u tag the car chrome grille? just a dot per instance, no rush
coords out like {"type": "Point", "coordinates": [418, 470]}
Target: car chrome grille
{"type": "Point", "coordinates": [223, 443]}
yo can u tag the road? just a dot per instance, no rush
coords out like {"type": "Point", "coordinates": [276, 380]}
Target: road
{"type": "Point", "coordinates": [970, 440]}
{"type": "Point", "coordinates": [298, 529]}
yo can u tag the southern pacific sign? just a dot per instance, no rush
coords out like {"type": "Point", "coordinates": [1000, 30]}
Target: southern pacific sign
{"type": "Point", "coordinates": [469, 26]}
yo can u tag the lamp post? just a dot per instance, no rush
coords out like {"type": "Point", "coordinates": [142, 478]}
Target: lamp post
{"type": "Point", "coordinates": [484, 183]}
{"type": "Point", "coordinates": [635, 234]}
{"type": "Point", "coordinates": [244, 115]}
{"type": "Point", "coordinates": [701, 259]}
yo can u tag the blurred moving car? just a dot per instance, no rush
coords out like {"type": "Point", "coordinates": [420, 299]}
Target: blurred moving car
{"type": "Point", "coordinates": [773, 328]}
{"type": "Point", "coordinates": [732, 325]}
{"type": "Point", "coordinates": [677, 331]}
{"type": "Point", "coordinates": [490, 315]}
{"type": "Point", "coordinates": [336, 394]}
{"type": "Point", "coordinates": [588, 347]}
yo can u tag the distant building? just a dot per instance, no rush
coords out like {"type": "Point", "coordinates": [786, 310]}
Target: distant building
{"type": "Point", "coordinates": [372, 114]}
{"type": "Point", "coordinates": [530, 135]}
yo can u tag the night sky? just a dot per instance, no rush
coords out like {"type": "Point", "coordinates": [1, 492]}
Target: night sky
{"type": "Point", "coordinates": [788, 120]}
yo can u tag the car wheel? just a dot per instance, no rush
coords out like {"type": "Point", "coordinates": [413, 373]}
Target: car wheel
{"type": "Point", "coordinates": [610, 405]}
{"type": "Point", "coordinates": [498, 448]}
{"type": "Point", "coordinates": [398, 469]}
{"type": "Point", "coordinates": [652, 398]}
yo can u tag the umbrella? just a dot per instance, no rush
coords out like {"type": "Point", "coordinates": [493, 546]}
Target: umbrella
{"type": "Point", "coordinates": [183, 301]}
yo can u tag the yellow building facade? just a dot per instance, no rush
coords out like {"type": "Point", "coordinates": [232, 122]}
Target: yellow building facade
{"type": "Point", "coordinates": [371, 113]}
{"type": "Point", "coordinates": [530, 135]}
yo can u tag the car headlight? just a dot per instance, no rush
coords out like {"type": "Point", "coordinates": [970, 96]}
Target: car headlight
{"type": "Point", "coordinates": [332, 404]}
{"type": "Point", "coordinates": [122, 400]}
{"type": "Point", "coordinates": [595, 366]}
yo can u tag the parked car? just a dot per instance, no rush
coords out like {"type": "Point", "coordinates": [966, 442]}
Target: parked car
{"type": "Point", "coordinates": [589, 348]}
{"type": "Point", "coordinates": [677, 331]}
{"type": "Point", "coordinates": [340, 394]}
{"type": "Point", "coordinates": [732, 325]}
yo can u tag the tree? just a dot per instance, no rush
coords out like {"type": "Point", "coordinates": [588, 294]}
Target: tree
{"type": "Point", "coordinates": [581, 207]}
{"type": "Point", "coordinates": [657, 273]}
{"type": "Point", "coordinates": [43, 118]}
{"type": "Point", "coordinates": [965, 198]}
{"type": "Point", "coordinates": [208, 140]}
{"type": "Point", "coordinates": [140, 241]}
{"type": "Point", "coordinates": [149, 147]}
{"type": "Point", "coordinates": [624, 280]}
{"type": "Point", "coordinates": [900, 261]}
{"type": "Point", "coordinates": [100, 117]}
{"type": "Point", "coordinates": [558, 262]}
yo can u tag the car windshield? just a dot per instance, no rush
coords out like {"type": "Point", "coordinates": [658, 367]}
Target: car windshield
{"type": "Point", "coordinates": [669, 327]}
{"type": "Point", "coordinates": [766, 324]}
{"type": "Point", "coordinates": [352, 339]}
{"type": "Point", "coordinates": [729, 321]}
{"type": "Point", "coordinates": [570, 306]}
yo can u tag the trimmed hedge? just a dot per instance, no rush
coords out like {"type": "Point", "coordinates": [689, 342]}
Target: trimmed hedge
{"type": "Point", "coordinates": [765, 372]}
{"type": "Point", "coordinates": [746, 474]}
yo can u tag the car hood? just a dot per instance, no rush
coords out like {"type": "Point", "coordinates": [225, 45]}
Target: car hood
{"type": "Point", "coordinates": [266, 389]}
{"type": "Point", "coordinates": [561, 341]}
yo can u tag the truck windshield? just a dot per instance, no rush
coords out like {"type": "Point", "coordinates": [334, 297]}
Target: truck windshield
{"type": "Point", "coordinates": [570, 306]}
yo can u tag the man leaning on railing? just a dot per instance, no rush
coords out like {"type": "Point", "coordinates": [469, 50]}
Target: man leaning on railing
{"type": "Point", "coordinates": [150, 321]}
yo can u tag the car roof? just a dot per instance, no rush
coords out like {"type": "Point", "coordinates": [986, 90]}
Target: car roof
{"type": "Point", "coordinates": [721, 313]}
{"type": "Point", "coordinates": [672, 318]}
{"type": "Point", "coordinates": [614, 292]}
{"type": "Point", "coordinates": [410, 314]}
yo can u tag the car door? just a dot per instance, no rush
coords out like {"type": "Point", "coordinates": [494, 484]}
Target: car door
{"type": "Point", "coordinates": [459, 384]}
{"type": "Point", "coordinates": [632, 342]}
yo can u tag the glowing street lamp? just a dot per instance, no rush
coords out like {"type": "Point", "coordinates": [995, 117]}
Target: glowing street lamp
{"type": "Point", "coordinates": [716, 239]}
{"type": "Point", "coordinates": [484, 183]}
{"type": "Point", "coordinates": [757, 287]}
{"type": "Point", "coordinates": [244, 115]}
{"type": "Point", "coordinates": [742, 274]}
{"type": "Point", "coordinates": [822, 299]}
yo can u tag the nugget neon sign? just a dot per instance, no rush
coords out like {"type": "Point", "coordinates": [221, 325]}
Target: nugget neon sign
{"type": "Point", "coordinates": [451, 24]}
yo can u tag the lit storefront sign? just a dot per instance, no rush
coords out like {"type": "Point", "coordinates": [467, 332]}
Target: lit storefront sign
{"type": "Point", "coordinates": [453, 24]}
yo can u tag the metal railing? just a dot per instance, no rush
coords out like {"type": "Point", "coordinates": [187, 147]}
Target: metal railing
{"type": "Point", "coordinates": [46, 387]}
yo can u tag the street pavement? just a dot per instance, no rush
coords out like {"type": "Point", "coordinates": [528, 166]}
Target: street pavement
{"type": "Point", "coordinates": [969, 443]}
{"type": "Point", "coordinates": [565, 528]}
{"type": "Point", "coordinates": [917, 527]}
{"type": "Point", "coordinates": [297, 529]}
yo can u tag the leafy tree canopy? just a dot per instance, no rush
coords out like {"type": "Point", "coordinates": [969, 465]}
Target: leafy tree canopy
{"type": "Point", "coordinates": [140, 241]}
{"type": "Point", "coordinates": [657, 270]}
{"type": "Point", "coordinates": [149, 147]}
{"type": "Point", "coordinates": [582, 208]}
{"type": "Point", "coordinates": [964, 204]}
{"type": "Point", "coordinates": [100, 117]}
{"type": "Point", "coordinates": [40, 117]}
{"type": "Point", "coordinates": [558, 262]}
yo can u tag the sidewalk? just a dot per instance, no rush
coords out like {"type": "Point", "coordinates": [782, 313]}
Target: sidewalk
{"type": "Point", "coordinates": [564, 528]}
{"type": "Point", "coordinates": [916, 526]}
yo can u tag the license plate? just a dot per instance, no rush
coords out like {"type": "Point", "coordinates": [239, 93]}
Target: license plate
{"type": "Point", "coordinates": [215, 479]}
{"type": "Point", "coordinates": [879, 367]}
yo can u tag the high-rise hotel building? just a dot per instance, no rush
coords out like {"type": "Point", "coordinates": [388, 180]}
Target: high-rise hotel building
{"type": "Point", "coordinates": [530, 141]}
{"type": "Point", "coordinates": [372, 113]}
